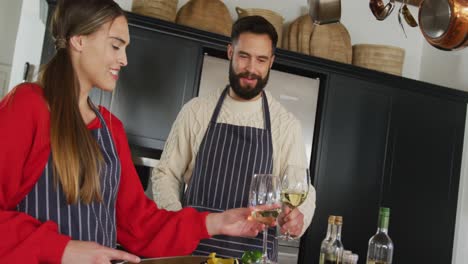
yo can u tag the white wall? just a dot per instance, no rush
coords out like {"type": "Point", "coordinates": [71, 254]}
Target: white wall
{"type": "Point", "coordinates": [445, 68]}
{"type": "Point", "coordinates": [125, 4]}
{"type": "Point", "coordinates": [29, 40]}
{"type": "Point", "coordinates": [364, 28]}
{"type": "Point", "coordinates": [9, 20]}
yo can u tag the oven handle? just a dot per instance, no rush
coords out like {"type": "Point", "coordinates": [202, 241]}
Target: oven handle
{"type": "Point", "coordinates": [144, 161]}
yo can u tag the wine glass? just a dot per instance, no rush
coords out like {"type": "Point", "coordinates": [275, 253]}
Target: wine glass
{"type": "Point", "coordinates": [294, 190]}
{"type": "Point", "coordinates": [264, 197]}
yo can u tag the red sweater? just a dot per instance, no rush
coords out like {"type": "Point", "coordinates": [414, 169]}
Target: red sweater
{"type": "Point", "coordinates": [142, 228]}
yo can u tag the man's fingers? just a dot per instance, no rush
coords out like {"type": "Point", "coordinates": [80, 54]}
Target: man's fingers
{"type": "Point", "coordinates": [293, 215]}
{"type": "Point", "coordinates": [293, 222]}
{"type": "Point", "coordinates": [286, 210]}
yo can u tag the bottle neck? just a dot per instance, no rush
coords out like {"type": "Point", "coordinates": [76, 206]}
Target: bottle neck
{"type": "Point", "coordinates": [337, 232]}
{"type": "Point", "coordinates": [383, 224]}
{"type": "Point", "coordinates": [332, 231]}
{"type": "Point", "coordinates": [382, 230]}
{"type": "Point", "coordinates": [329, 231]}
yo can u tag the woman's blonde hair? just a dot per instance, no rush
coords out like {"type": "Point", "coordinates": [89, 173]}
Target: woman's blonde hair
{"type": "Point", "coordinates": [77, 157]}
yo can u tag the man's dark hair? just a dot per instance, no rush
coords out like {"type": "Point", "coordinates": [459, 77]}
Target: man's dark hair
{"type": "Point", "coordinates": [256, 25]}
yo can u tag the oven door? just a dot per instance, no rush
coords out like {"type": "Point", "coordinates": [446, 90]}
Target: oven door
{"type": "Point", "coordinates": [144, 167]}
{"type": "Point", "coordinates": [288, 251]}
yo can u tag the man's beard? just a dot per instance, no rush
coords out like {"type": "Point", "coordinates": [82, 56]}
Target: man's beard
{"type": "Point", "coordinates": [248, 92]}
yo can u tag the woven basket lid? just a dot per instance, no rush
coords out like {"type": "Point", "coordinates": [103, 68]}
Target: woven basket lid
{"type": "Point", "coordinates": [305, 27]}
{"type": "Point", "coordinates": [293, 28]}
{"type": "Point", "coordinates": [331, 41]}
{"type": "Point", "coordinates": [209, 15]}
{"type": "Point", "coordinates": [162, 9]}
{"type": "Point", "coordinates": [382, 58]}
{"type": "Point", "coordinates": [274, 18]}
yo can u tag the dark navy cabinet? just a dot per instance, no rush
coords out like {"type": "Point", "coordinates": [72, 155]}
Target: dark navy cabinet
{"type": "Point", "coordinates": [384, 145]}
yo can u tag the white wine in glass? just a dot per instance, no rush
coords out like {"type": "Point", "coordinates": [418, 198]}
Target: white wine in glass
{"type": "Point", "coordinates": [294, 189]}
{"type": "Point", "coordinates": [264, 198]}
{"type": "Point", "coordinates": [292, 198]}
{"type": "Point", "coordinates": [267, 217]}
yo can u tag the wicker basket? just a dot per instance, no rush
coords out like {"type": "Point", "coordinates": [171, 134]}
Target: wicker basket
{"type": "Point", "coordinates": [331, 41]}
{"type": "Point", "coordinates": [274, 18]}
{"type": "Point", "coordinates": [162, 9]}
{"type": "Point", "coordinates": [285, 39]}
{"type": "Point", "coordinates": [305, 30]}
{"type": "Point", "coordinates": [209, 15]}
{"type": "Point", "coordinates": [293, 29]}
{"type": "Point", "coordinates": [382, 58]}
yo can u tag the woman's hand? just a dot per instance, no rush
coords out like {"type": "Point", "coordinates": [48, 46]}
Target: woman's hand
{"type": "Point", "coordinates": [233, 222]}
{"type": "Point", "coordinates": [89, 252]}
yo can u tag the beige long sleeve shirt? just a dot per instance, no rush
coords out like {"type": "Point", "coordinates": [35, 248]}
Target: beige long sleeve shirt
{"type": "Point", "coordinates": [178, 158]}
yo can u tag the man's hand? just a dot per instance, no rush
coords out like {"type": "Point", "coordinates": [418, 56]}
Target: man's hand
{"type": "Point", "coordinates": [291, 221]}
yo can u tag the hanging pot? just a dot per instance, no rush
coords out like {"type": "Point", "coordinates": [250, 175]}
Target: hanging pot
{"type": "Point", "coordinates": [444, 23]}
{"type": "Point", "coordinates": [325, 11]}
{"type": "Point", "coordinates": [381, 10]}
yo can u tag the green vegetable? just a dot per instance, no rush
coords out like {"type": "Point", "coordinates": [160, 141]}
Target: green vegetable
{"type": "Point", "coordinates": [250, 257]}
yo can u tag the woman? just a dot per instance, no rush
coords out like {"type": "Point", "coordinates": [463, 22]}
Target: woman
{"type": "Point", "coordinates": [69, 191]}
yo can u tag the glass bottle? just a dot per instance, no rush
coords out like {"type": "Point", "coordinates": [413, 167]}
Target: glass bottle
{"type": "Point", "coordinates": [334, 252]}
{"type": "Point", "coordinates": [326, 241]}
{"type": "Point", "coordinates": [349, 257]}
{"type": "Point", "coordinates": [380, 249]}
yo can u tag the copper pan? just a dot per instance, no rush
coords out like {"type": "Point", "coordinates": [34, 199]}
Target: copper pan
{"type": "Point", "coordinates": [325, 11]}
{"type": "Point", "coordinates": [444, 23]}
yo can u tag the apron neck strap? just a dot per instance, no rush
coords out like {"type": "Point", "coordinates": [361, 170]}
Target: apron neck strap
{"type": "Point", "coordinates": [217, 110]}
{"type": "Point", "coordinates": [266, 109]}
{"type": "Point", "coordinates": [266, 112]}
{"type": "Point", "coordinates": [96, 111]}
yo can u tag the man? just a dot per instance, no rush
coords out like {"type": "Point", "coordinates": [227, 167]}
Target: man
{"type": "Point", "coordinates": [217, 143]}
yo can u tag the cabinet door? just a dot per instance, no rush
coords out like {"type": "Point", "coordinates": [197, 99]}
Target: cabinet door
{"type": "Point", "coordinates": [160, 78]}
{"type": "Point", "coordinates": [422, 189]}
{"type": "Point", "coordinates": [350, 162]}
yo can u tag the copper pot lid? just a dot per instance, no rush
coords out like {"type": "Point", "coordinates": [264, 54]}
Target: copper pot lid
{"type": "Point", "coordinates": [435, 18]}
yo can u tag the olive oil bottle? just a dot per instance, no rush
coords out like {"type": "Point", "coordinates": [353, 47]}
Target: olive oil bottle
{"type": "Point", "coordinates": [380, 250]}
{"type": "Point", "coordinates": [323, 247]}
{"type": "Point", "coordinates": [334, 250]}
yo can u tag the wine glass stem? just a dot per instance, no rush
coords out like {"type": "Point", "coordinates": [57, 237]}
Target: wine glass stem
{"type": "Point", "coordinates": [265, 241]}
{"type": "Point", "coordinates": [287, 235]}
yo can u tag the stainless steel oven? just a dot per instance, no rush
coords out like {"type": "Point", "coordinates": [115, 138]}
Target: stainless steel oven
{"type": "Point", "coordinates": [288, 251]}
{"type": "Point", "coordinates": [144, 167]}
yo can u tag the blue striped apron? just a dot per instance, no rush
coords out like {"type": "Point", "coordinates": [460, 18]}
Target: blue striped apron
{"type": "Point", "coordinates": [91, 222]}
{"type": "Point", "coordinates": [228, 157]}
